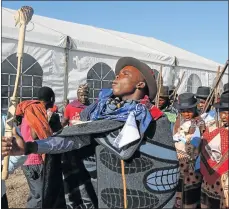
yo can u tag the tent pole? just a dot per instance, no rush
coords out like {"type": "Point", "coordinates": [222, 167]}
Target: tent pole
{"type": "Point", "coordinates": [67, 49]}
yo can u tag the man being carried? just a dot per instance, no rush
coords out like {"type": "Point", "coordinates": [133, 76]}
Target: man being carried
{"type": "Point", "coordinates": [136, 164]}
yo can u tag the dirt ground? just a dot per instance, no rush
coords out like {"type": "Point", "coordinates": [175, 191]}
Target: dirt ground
{"type": "Point", "coordinates": [17, 190]}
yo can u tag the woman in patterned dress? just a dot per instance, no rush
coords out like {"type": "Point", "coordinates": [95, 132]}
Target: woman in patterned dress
{"type": "Point", "coordinates": [214, 160]}
{"type": "Point", "coordinates": [188, 130]}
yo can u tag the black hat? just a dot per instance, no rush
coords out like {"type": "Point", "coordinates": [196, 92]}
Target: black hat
{"type": "Point", "coordinates": [164, 91]}
{"type": "Point", "coordinates": [224, 101]}
{"type": "Point", "coordinates": [186, 101]}
{"type": "Point", "coordinates": [143, 68]}
{"type": "Point", "coordinates": [225, 88]}
{"type": "Point", "coordinates": [203, 92]}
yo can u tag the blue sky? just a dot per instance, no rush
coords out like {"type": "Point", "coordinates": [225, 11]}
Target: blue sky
{"type": "Point", "coordinates": [199, 27]}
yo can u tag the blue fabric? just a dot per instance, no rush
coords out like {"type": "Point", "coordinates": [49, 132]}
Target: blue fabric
{"type": "Point", "coordinates": [195, 141]}
{"type": "Point", "coordinates": [103, 109]}
{"type": "Point", "coordinates": [197, 164]}
{"type": "Point", "coordinates": [4, 117]}
{"type": "Point", "coordinates": [18, 131]}
{"type": "Point", "coordinates": [172, 125]}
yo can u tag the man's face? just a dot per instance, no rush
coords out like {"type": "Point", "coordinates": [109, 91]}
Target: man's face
{"type": "Point", "coordinates": [201, 105]}
{"type": "Point", "coordinates": [187, 114]}
{"type": "Point", "coordinates": [162, 103]}
{"type": "Point", "coordinates": [126, 81]}
{"type": "Point", "coordinates": [83, 97]}
{"type": "Point", "coordinates": [224, 117]}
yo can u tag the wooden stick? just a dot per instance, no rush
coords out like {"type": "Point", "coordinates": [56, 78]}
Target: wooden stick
{"type": "Point", "coordinates": [177, 88]}
{"type": "Point", "coordinates": [217, 89]}
{"type": "Point", "coordinates": [124, 184]}
{"type": "Point", "coordinates": [159, 85]}
{"type": "Point", "coordinates": [22, 17]}
{"type": "Point", "coordinates": [216, 98]}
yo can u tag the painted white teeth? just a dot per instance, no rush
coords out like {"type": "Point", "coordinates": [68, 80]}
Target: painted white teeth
{"type": "Point", "coordinates": [163, 180]}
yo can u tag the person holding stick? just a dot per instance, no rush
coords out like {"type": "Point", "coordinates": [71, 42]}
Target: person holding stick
{"type": "Point", "coordinates": [214, 160]}
{"type": "Point", "coordinates": [202, 94]}
{"type": "Point", "coordinates": [128, 145]}
{"type": "Point", "coordinates": [188, 130]}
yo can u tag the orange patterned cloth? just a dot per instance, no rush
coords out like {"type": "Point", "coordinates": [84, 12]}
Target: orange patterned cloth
{"type": "Point", "coordinates": [35, 114]}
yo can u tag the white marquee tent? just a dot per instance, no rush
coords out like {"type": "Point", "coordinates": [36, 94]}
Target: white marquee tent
{"type": "Point", "coordinates": [63, 55]}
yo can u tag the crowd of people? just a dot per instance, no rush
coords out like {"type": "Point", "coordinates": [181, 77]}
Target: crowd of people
{"type": "Point", "coordinates": [123, 151]}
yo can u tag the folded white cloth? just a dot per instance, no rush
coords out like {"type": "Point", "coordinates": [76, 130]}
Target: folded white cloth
{"type": "Point", "coordinates": [129, 133]}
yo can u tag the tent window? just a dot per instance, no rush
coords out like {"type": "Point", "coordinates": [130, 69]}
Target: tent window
{"type": "Point", "coordinates": [99, 76]}
{"type": "Point", "coordinates": [30, 81]}
{"type": "Point", "coordinates": [193, 83]}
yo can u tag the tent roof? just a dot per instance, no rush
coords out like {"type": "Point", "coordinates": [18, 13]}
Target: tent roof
{"type": "Point", "coordinates": [88, 38]}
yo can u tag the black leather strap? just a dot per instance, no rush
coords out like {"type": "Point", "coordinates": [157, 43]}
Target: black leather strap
{"type": "Point", "coordinates": [30, 147]}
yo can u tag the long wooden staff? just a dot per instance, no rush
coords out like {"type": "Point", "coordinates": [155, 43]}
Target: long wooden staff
{"type": "Point", "coordinates": [22, 17]}
{"type": "Point", "coordinates": [159, 85]}
{"type": "Point", "coordinates": [173, 95]}
{"type": "Point", "coordinates": [217, 89]}
{"type": "Point", "coordinates": [210, 96]}
{"type": "Point", "coordinates": [216, 98]}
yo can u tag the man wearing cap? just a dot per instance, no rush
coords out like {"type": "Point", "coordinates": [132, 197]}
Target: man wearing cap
{"type": "Point", "coordinates": [214, 160]}
{"type": "Point", "coordinates": [202, 95]}
{"type": "Point", "coordinates": [73, 110]}
{"type": "Point", "coordinates": [136, 165]}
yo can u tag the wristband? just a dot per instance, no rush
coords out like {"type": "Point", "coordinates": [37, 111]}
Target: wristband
{"type": "Point", "coordinates": [30, 147]}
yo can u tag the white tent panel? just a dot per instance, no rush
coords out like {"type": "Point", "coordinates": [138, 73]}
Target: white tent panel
{"type": "Point", "coordinates": [184, 58]}
{"type": "Point", "coordinates": [85, 38]}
